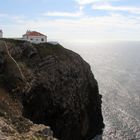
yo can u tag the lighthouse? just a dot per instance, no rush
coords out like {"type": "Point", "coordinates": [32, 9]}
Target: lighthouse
{"type": "Point", "coordinates": [1, 34]}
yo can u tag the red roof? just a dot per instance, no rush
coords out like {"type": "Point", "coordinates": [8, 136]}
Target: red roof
{"type": "Point", "coordinates": [33, 33]}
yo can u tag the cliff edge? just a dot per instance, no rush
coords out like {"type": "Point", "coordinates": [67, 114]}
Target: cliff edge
{"type": "Point", "coordinates": [46, 84]}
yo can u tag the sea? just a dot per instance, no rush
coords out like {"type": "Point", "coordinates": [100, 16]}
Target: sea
{"type": "Point", "coordinates": [116, 66]}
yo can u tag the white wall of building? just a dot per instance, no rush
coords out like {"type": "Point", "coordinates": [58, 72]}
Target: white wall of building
{"type": "Point", "coordinates": [35, 39]}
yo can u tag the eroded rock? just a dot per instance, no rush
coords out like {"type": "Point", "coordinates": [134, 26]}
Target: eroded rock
{"type": "Point", "coordinates": [63, 91]}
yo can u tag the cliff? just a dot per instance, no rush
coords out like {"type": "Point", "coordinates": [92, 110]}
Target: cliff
{"type": "Point", "coordinates": [44, 85]}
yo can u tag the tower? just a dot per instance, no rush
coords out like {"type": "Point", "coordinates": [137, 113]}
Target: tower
{"type": "Point", "coordinates": [1, 34]}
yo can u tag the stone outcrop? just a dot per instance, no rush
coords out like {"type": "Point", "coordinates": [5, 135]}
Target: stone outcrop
{"type": "Point", "coordinates": [13, 125]}
{"type": "Point", "coordinates": [58, 89]}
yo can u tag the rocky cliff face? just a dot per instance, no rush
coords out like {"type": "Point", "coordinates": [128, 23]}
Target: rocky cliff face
{"type": "Point", "coordinates": [53, 86]}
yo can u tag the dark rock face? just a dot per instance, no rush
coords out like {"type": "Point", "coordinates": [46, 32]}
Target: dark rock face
{"type": "Point", "coordinates": [63, 92]}
{"type": "Point", "coordinates": [13, 125]}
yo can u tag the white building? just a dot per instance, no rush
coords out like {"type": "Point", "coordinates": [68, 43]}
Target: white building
{"type": "Point", "coordinates": [35, 37]}
{"type": "Point", "coordinates": [1, 34]}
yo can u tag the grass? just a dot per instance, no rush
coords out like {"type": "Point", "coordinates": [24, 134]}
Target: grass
{"type": "Point", "coordinates": [45, 49]}
{"type": "Point", "coordinates": [10, 40]}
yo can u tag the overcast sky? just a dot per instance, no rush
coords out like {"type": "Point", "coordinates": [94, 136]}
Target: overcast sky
{"type": "Point", "coordinates": [72, 20]}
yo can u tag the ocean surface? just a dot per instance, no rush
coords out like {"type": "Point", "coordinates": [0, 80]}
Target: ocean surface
{"type": "Point", "coordinates": [116, 66]}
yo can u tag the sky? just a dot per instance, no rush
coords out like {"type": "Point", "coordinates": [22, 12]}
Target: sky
{"type": "Point", "coordinates": [72, 20]}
